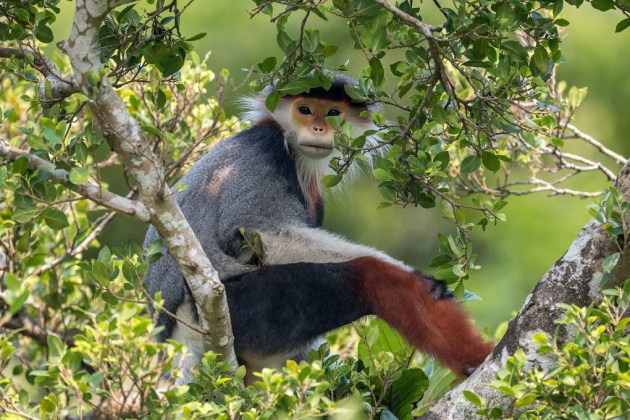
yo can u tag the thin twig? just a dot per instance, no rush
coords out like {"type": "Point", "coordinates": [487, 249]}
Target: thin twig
{"type": "Point", "coordinates": [589, 139]}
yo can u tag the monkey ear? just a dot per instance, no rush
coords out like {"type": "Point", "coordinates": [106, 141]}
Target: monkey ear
{"type": "Point", "coordinates": [254, 109]}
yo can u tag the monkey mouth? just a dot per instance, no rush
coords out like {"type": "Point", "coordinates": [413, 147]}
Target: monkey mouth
{"type": "Point", "coordinates": [316, 149]}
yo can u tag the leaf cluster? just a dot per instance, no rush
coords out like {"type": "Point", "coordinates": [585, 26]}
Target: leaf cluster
{"type": "Point", "coordinates": [474, 101]}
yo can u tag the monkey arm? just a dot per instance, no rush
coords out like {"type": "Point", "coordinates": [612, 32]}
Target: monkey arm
{"type": "Point", "coordinates": [304, 244]}
{"type": "Point", "coordinates": [278, 309]}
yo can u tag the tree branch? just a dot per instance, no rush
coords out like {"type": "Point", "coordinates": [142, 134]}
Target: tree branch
{"type": "Point", "coordinates": [589, 139]}
{"type": "Point", "coordinates": [90, 191]}
{"type": "Point", "coordinates": [124, 135]}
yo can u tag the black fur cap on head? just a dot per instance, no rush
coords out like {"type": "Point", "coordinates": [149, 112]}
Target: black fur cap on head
{"type": "Point", "coordinates": [336, 92]}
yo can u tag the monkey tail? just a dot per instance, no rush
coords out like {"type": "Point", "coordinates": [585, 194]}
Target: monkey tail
{"type": "Point", "coordinates": [421, 310]}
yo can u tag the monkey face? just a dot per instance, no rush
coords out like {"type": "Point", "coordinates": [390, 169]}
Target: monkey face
{"type": "Point", "coordinates": [314, 136]}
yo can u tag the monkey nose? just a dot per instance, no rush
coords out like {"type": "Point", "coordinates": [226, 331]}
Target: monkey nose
{"type": "Point", "coordinates": [318, 128]}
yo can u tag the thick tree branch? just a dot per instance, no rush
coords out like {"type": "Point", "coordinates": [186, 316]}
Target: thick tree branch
{"type": "Point", "coordinates": [90, 191]}
{"type": "Point", "coordinates": [125, 136]}
{"type": "Point", "coordinates": [574, 279]}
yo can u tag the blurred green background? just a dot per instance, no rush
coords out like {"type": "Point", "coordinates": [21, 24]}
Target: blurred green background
{"type": "Point", "coordinates": [514, 255]}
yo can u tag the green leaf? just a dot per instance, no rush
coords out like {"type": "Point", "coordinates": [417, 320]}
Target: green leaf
{"type": "Point", "coordinates": [48, 404]}
{"type": "Point", "coordinates": [151, 130]}
{"type": "Point", "coordinates": [473, 398]}
{"type": "Point", "coordinates": [72, 360]}
{"type": "Point", "coordinates": [272, 101]}
{"type": "Point", "coordinates": [283, 40]}
{"type": "Point", "coordinates": [331, 180]}
{"type": "Point", "coordinates": [105, 255]}
{"type": "Point", "coordinates": [425, 200]}
{"type": "Point", "coordinates": [196, 37]}
{"type": "Point", "coordinates": [153, 53]}
{"type": "Point", "coordinates": [130, 273]}
{"type": "Point", "coordinates": [329, 50]}
{"type": "Point", "coordinates": [576, 96]}
{"type": "Point", "coordinates": [55, 219]}
{"type": "Point", "coordinates": [25, 210]}
{"type": "Point", "coordinates": [180, 186]}
{"type": "Point", "coordinates": [490, 160]}
{"type": "Point", "coordinates": [23, 14]}
{"type": "Point", "coordinates": [459, 290]}
{"type": "Point", "coordinates": [515, 48]}
{"type": "Point", "coordinates": [52, 136]}
{"type": "Point", "coordinates": [541, 58]}
{"type": "Point", "coordinates": [382, 339]}
{"type": "Point", "coordinates": [354, 93]}
{"type": "Point", "coordinates": [79, 176]}
{"type": "Point", "coordinates": [101, 272]}
{"type": "Point", "coordinates": [438, 114]}
{"type": "Point", "coordinates": [168, 59]}
{"type": "Point", "coordinates": [81, 152]}
{"type": "Point", "coordinates": [20, 165]}
{"type": "Point", "coordinates": [268, 64]}
{"type": "Point", "coordinates": [295, 87]}
{"type": "Point", "coordinates": [624, 24]}
{"type": "Point", "coordinates": [56, 347]}
{"type": "Point", "coordinates": [171, 64]}
{"type": "Point", "coordinates": [16, 302]}
{"type": "Point", "coordinates": [95, 379]}
{"type": "Point", "coordinates": [44, 34]}
{"type": "Point", "coordinates": [387, 192]}
{"type": "Point", "coordinates": [527, 399]}
{"type": "Point", "coordinates": [404, 393]}
{"type": "Point", "coordinates": [609, 264]}
{"type": "Point", "coordinates": [161, 99]}
{"type": "Point", "coordinates": [109, 298]}
{"type": "Point", "coordinates": [378, 72]}
{"type": "Point", "coordinates": [470, 164]}
{"type": "Point", "coordinates": [382, 175]}
{"type": "Point", "coordinates": [603, 5]}
{"type": "Point", "coordinates": [155, 248]}
{"type": "Point", "coordinates": [440, 260]}
{"type": "Point", "coordinates": [36, 142]}
{"type": "Point", "coordinates": [540, 338]}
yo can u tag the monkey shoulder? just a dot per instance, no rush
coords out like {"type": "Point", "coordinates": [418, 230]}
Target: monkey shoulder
{"type": "Point", "coordinates": [246, 181]}
{"type": "Point", "coordinates": [251, 173]}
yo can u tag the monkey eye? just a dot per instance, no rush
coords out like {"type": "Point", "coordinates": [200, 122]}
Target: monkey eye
{"type": "Point", "coordinates": [304, 110]}
{"type": "Point", "coordinates": [333, 112]}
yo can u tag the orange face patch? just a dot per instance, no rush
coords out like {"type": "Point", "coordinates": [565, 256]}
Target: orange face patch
{"type": "Point", "coordinates": [310, 114]}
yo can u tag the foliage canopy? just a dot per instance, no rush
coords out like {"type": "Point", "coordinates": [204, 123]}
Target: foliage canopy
{"type": "Point", "coordinates": [474, 114]}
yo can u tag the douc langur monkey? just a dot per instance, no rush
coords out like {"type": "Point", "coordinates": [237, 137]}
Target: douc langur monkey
{"type": "Point", "coordinates": [267, 180]}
